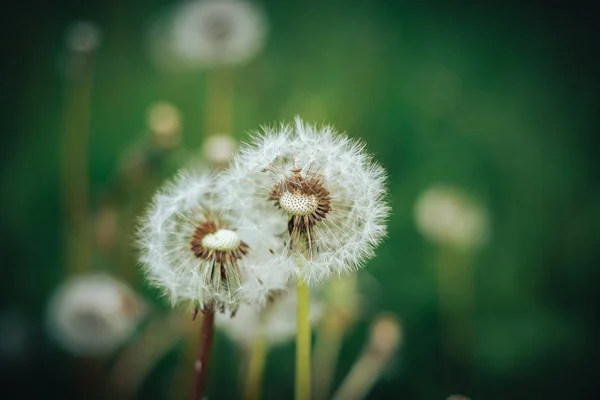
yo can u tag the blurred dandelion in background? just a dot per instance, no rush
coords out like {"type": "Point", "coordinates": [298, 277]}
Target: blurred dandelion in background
{"type": "Point", "coordinates": [256, 331]}
{"type": "Point", "coordinates": [164, 122]}
{"type": "Point", "coordinates": [276, 322]}
{"type": "Point", "coordinates": [459, 225]}
{"type": "Point", "coordinates": [93, 315]}
{"type": "Point", "coordinates": [208, 33]}
{"type": "Point", "coordinates": [447, 216]}
{"type": "Point", "coordinates": [219, 149]}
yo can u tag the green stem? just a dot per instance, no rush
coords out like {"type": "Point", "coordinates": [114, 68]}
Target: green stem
{"type": "Point", "coordinates": [256, 368]}
{"type": "Point", "coordinates": [303, 343]}
{"type": "Point", "coordinates": [327, 350]}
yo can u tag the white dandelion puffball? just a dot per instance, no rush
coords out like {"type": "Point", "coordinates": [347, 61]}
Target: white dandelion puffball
{"type": "Point", "coordinates": [209, 33]}
{"type": "Point", "coordinates": [326, 191]}
{"type": "Point", "coordinates": [197, 251]}
{"type": "Point", "coordinates": [92, 315]}
{"type": "Point", "coordinates": [445, 215]}
{"type": "Point", "coordinates": [276, 322]}
{"type": "Point", "coordinates": [219, 149]}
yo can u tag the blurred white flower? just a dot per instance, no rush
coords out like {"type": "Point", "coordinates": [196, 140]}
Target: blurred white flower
{"type": "Point", "coordinates": [82, 40]}
{"type": "Point", "coordinates": [219, 149]}
{"type": "Point", "coordinates": [83, 36]}
{"type": "Point", "coordinates": [93, 314]}
{"type": "Point", "coordinates": [327, 193]}
{"type": "Point", "coordinates": [276, 322]}
{"type": "Point", "coordinates": [164, 121]}
{"type": "Point", "coordinates": [195, 250]}
{"type": "Point", "coordinates": [445, 215]}
{"type": "Point", "coordinates": [208, 33]}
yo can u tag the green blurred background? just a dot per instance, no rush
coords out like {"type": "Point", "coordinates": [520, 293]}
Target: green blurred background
{"type": "Point", "coordinates": [498, 98]}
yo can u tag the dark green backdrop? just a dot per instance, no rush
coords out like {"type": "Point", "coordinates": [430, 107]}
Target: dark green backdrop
{"type": "Point", "coordinates": [513, 123]}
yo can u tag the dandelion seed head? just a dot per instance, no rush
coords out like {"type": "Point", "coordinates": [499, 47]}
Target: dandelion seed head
{"type": "Point", "coordinates": [202, 253]}
{"type": "Point", "coordinates": [325, 191]}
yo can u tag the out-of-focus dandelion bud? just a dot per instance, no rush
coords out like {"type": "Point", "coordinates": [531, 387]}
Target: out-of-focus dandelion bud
{"type": "Point", "coordinates": [276, 322]}
{"type": "Point", "coordinates": [384, 341]}
{"type": "Point", "coordinates": [83, 36]}
{"type": "Point", "coordinates": [164, 122]}
{"type": "Point", "coordinates": [92, 315]}
{"type": "Point", "coordinates": [386, 336]}
{"type": "Point", "coordinates": [208, 33]}
{"type": "Point", "coordinates": [344, 303]}
{"type": "Point", "coordinates": [219, 149]}
{"type": "Point", "coordinates": [447, 216]}
{"type": "Point", "coordinates": [82, 39]}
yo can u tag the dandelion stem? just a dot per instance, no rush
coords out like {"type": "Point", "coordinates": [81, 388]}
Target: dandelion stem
{"type": "Point", "coordinates": [203, 355]}
{"type": "Point", "coordinates": [327, 349]}
{"type": "Point", "coordinates": [140, 357]}
{"type": "Point", "coordinates": [256, 368]}
{"type": "Point", "coordinates": [218, 101]}
{"type": "Point", "coordinates": [455, 279]}
{"type": "Point", "coordinates": [74, 165]}
{"type": "Point", "coordinates": [303, 343]}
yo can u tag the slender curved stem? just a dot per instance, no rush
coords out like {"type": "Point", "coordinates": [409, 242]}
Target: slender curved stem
{"type": "Point", "coordinates": [303, 343]}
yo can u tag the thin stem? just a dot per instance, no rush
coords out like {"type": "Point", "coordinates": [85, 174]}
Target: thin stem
{"type": "Point", "coordinates": [203, 355]}
{"type": "Point", "coordinates": [327, 349]}
{"type": "Point", "coordinates": [455, 279]}
{"type": "Point", "coordinates": [74, 165]}
{"type": "Point", "coordinates": [218, 101]}
{"type": "Point", "coordinates": [361, 378]}
{"type": "Point", "coordinates": [256, 368]}
{"type": "Point", "coordinates": [455, 291]}
{"type": "Point", "coordinates": [303, 343]}
{"type": "Point", "coordinates": [139, 358]}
